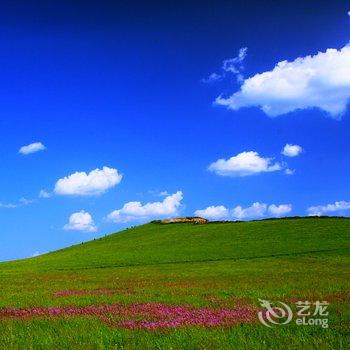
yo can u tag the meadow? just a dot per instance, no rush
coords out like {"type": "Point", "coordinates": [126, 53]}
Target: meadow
{"type": "Point", "coordinates": [181, 286]}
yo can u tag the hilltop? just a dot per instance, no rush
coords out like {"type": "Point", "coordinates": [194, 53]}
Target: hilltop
{"type": "Point", "coordinates": [153, 243]}
{"type": "Point", "coordinates": [186, 219]}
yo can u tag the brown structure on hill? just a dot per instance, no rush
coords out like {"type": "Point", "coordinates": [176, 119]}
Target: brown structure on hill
{"type": "Point", "coordinates": [189, 219]}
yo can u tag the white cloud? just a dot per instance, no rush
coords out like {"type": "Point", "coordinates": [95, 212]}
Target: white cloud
{"type": "Point", "coordinates": [158, 193]}
{"type": "Point", "coordinates": [94, 183]}
{"type": "Point", "coordinates": [230, 66]}
{"type": "Point", "coordinates": [32, 148]}
{"type": "Point", "coordinates": [21, 202]}
{"type": "Point", "coordinates": [319, 210]}
{"type": "Point", "coordinates": [163, 194]}
{"type": "Point", "coordinates": [44, 194]}
{"type": "Point", "coordinates": [320, 81]}
{"type": "Point", "coordinates": [25, 201]}
{"type": "Point", "coordinates": [244, 164]}
{"type": "Point", "coordinates": [212, 77]}
{"type": "Point", "coordinates": [80, 221]}
{"type": "Point", "coordinates": [279, 210]}
{"type": "Point", "coordinates": [234, 65]}
{"type": "Point", "coordinates": [289, 171]}
{"type": "Point", "coordinates": [8, 205]}
{"type": "Point", "coordinates": [133, 211]}
{"type": "Point", "coordinates": [256, 210]}
{"type": "Point", "coordinates": [213, 213]}
{"type": "Point", "coordinates": [291, 150]}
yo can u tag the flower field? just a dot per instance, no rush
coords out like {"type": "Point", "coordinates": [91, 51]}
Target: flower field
{"type": "Point", "coordinates": [181, 286]}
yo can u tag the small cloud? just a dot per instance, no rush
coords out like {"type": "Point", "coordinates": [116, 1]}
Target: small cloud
{"type": "Point", "coordinates": [158, 193]}
{"type": "Point", "coordinates": [133, 211]}
{"type": "Point", "coordinates": [212, 78]}
{"type": "Point", "coordinates": [235, 65]}
{"type": "Point", "coordinates": [21, 202]}
{"type": "Point", "coordinates": [289, 171]}
{"type": "Point", "coordinates": [80, 221]}
{"type": "Point", "coordinates": [213, 213]}
{"type": "Point", "coordinates": [337, 207]}
{"type": "Point", "coordinates": [32, 148]}
{"type": "Point", "coordinates": [25, 201]}
{"type": "Point", "coordinates": [163, 194]}
{"type": "Point", "coordinates": [44, 194]}
{"type": "Point", "coordinates": [93, 183]}
{"type": "Point", "coordinates": [8, 205]}
{"type": "Point", "coordinates": [256, 210]}
{"type": "Point", "coordinates": [279, 210]}
{"type": "Point", "coordinates": [244, 164]}
{"type": "Point", "coordinates": [291, 150]}
{"type": "Point", "coordinates": [230, 66]}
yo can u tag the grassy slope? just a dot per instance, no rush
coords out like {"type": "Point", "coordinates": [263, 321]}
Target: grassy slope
{"type": "Point", "coordinates": [157, 243]}
{"type": "Point", "coordinates": [184, 263]}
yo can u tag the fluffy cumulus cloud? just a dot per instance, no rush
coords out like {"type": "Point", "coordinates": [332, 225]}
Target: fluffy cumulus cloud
{"type": "Point", "coordinates": [94, 183]}
{"type": "Point", "coordinates": [80, 221]}
{"type": "Point", "coordinates": [337, 207]}
{"type": "Point", "coordinates": [213, 213]}
{"type": "Point", "coordinates": [291, 150]}
{"type": "Point", "coordinates": [32, 148]}
{"type": "Point", "coordinates": [133, 211]}
{"type": "Point", "coordinates": [256, 210]}
{"type": "Point", "coordinates": [279, 210]}
{"type": "Point", "coordinates": [244, 164]}
{"type": "Point", "coordinates": [320, 81]}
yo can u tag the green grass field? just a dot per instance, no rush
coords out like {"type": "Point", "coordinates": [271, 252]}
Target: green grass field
{"type": "Point", "coordinates": [216, 265]}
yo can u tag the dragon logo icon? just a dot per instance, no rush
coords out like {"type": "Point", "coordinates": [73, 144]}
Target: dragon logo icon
{"type": "Point", "coordinates": [274, 315]}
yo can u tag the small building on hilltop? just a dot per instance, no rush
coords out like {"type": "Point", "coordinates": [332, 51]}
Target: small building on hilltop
{"type": "Point", "coordinates": [186, 219]}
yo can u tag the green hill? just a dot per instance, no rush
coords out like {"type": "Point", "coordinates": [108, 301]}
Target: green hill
{"type": "Point", "coordinates": [214, 265]}
{"type": "Point", "coordinates": [156, 243]}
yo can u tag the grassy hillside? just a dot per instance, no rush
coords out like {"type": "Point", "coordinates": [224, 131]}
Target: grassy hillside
{"type": "Point", "coordinates": [155, 243]}
{"type": "Point", "coordinates": [217, 265]}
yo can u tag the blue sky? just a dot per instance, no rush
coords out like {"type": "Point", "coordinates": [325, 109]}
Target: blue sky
{"type": "Point", "coordinates": [128, 89]}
